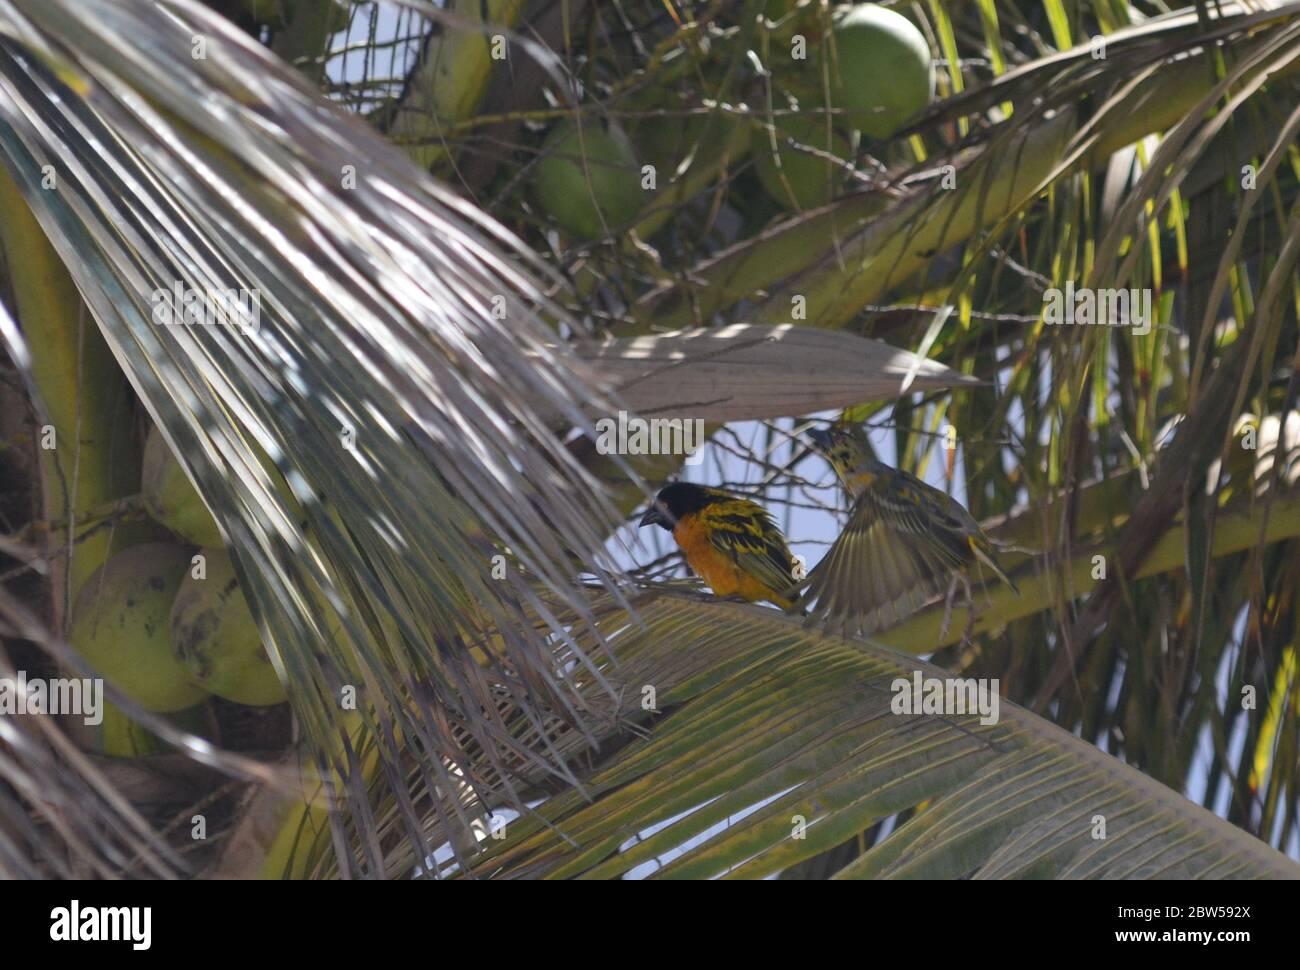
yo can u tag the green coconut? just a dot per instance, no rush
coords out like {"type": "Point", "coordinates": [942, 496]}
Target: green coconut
{"type": "Point", "coordinates": [171, 499]}
{"type": "Point", "coordinates": [120, 625]}
{"type": "Point", "coordinates": [882, 73]}
{"type": "Point", "coordinates": [794, 174]}
{"type": "Point", "coordinates": [216, 640]}
{"type": "Point", "coordinates": [577, 195]}
{"type": "Point", "coordinates": [121, 737]}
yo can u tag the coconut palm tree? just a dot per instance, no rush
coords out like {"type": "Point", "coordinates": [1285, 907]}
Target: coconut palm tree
{"type": "Point", "coordinates": [402, 452]}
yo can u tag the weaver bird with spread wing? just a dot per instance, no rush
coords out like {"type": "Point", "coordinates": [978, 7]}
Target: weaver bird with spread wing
{"type": "Point", "coordinates": [906, 542]}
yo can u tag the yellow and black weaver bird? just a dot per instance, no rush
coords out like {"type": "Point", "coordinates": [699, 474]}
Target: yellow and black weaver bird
{"type": "Point", "coordinates": [906, 542]}
{"type": "Point", "coordinates": [730, 542]}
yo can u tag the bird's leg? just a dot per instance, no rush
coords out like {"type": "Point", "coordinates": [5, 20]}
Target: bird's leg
{"type": "Point", "coordinates": [947, 605]}
{"type": "Point", "coordinates": [970, 609]}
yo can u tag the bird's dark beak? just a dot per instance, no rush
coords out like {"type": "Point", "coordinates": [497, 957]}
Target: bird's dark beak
{"type": "Point", "coordinates": [654, 516]}
{"type": "Point", "coordinates": [820, 438]}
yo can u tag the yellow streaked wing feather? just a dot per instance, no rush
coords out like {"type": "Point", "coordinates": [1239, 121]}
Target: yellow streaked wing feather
{"type": "Point", "coordinates": [744, 531]}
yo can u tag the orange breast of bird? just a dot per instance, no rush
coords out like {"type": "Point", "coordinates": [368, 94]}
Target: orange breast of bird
{"type": "Point", "coordinates": [720, 571]}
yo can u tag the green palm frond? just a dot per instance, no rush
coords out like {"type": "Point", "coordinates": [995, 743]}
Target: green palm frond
{"type": "Point", "coordinates": [806, 749]}
{"type": "Point", "coordinates": [1001, 169]}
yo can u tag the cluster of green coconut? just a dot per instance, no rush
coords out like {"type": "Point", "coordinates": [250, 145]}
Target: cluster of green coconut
{"type": "Point", "coordinates": [880, 75]}
{"type": "Point", "coordinates": [165, 626]}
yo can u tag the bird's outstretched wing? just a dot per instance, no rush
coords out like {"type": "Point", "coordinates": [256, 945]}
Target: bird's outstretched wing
{"type": "Point", "coordinates": [950, 525]}
{"type": "Point", "coordinates": [889, 561]}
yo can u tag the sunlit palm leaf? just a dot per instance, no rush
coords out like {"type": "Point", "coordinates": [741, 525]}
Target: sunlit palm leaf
{"type": "Point", "coordinates": [392, 378]}
{"type": "Point", "coordinates": [805, 751]}
{"type": "Point", "coordinates": [743, 372]}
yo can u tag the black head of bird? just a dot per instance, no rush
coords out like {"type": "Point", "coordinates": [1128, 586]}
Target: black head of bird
{"type": "Point", "coordinates": [673, 502]}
